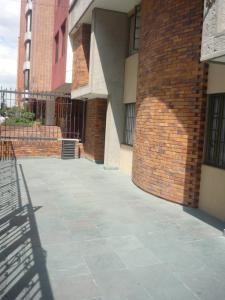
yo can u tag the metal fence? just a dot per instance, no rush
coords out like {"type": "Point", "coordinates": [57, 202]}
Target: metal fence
{"type": "Point", "coordinates": [40, 116]}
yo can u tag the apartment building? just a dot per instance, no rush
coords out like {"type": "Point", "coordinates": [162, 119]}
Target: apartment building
{"type": "Point", "coordinates": [140, 68]}
{"type": "Point", "coordinates": [212, 191]}
{"type": "Point", "coordinates": [35, 45]}
{"type": "Point", "coordinates": [62, 56]}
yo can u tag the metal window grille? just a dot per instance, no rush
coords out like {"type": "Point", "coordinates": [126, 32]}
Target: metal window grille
{"type": "Point", "coordinates": [129, 123]}
{"type": "Point", "coordinates": [135, 27]}
{"type": "Point", "coordinates": [215, 140]}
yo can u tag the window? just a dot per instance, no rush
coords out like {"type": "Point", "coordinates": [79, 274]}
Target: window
{"type": "Point", "coordinates": [135, 25]}
{"type": "Point", "coordinates": [63, 29]}
{"type": "Point", "coordinates": [29, 21]}
{"type": "Point", "coordinates": [215, 140]}
{"type": "Point", "coordinates": [129, 123]}
{"type": "Point", "coordinates": [28, 48]}
{"type": "Point", "coordinates": [56, 48]}
{"type": "Point", "coordinates": [26, 80]}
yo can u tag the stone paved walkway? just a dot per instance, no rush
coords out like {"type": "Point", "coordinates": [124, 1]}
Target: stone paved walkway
{"type": "Point", "coordinates": [96, 236]}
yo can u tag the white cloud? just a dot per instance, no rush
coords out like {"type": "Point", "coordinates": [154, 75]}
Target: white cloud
{"type": "Point", "coordinates": [9, 31]}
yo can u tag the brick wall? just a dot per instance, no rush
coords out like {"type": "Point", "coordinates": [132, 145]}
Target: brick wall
{"type": "Point", "coordinates": [81, 52]}
{"type": "Point", "coordinates": [26, 148]}
{"type": "Point", "coordinates": [171, 101]}
{"type": "Point", "coordinates": [42, 45]}
{"type": "Point", "coordinates": [94, 145]}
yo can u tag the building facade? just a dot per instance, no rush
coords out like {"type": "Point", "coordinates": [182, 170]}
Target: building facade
{"type": "Point", "coordinates": [62, 55]}
{"type": "Point", "coordinates": [35, 45]}
{"type": "Point", "coordinates": [212, 190]}
{"type": "Point", "coordinates": [144, 69]}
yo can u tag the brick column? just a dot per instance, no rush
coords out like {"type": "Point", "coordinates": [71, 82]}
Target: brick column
{"type": "Point", "coordinates": [171, 101]}
{"type": "Point", "coordinates": [81, 52]}
{"type": "Point", "coordinates": [94, 145]}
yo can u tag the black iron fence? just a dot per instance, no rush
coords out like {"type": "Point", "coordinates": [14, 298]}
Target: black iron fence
{"type": "Point", "coordinates": [40, 116]}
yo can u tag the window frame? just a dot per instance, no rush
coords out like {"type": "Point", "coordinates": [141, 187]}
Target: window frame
{"type": "Point", "coordinates": [29, 21]}
{"type": "Point", "coordinates": [63, 33]}
{"type": "Point", "coordinates": [28, 52]}
{"type": "Point", "coordinates": [214, 152]}
{"type": "Point", "coordinates": [129, 124]}
{"type": "Point", "coordinates": [134, 38]}
{"type": "Point", "coordinates": [57, 48]}
{"type": "Point", "coordinates": [26, 82]}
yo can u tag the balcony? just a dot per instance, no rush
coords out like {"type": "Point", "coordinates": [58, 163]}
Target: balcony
{"type": "Point", "coordinates": [27, 36]}
{"type": "Point", "coordinates": [28, 6]}
{"type": "Point", "coordinates": [213, 36]}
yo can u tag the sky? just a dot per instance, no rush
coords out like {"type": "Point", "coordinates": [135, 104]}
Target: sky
{"type": "Point", "coordinates": [9, 32]}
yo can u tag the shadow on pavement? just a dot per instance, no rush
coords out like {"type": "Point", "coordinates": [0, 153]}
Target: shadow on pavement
{"type": "Point", "coordinates": [23, 272]}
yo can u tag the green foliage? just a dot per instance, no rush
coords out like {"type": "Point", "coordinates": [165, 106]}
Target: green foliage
{"type": "Point", "coordinates": [16, 116]}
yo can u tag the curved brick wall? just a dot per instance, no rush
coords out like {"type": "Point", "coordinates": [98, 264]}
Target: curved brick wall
{"type": "Point", "coordinates": [171, 101]}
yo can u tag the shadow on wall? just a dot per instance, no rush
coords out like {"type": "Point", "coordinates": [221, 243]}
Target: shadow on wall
{"type": "Point", "coordinates": [22, 260]}
{"type": "Point", "coordinates": [171, 104]}
{"type": "Point", "coordinates": [111, 36]}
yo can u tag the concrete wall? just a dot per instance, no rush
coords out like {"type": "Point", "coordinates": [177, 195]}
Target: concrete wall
{"type": "Point", "coordinates": [130, 81]}
{"type": "Point", "coordinates": [126, 159]}
{"type": "Point", "coordinates": [212, 189]}
{"type": "Point", "coordinates": [213, 35]}
{"type": "Point", "coordinates": [108, 54]}
{"type": "Point", "coordinates": [216, 78]}
{"type": "Point", "coordinates": [77, 11]}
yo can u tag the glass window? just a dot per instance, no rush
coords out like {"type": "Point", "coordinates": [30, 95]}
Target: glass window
{"type": "Point", "coordinates": [27, 80]}
{"type": "Point", "coordinates": [29, 21]}
{"type": "Point", "coordinates": [56, 47]}
{"type": "Point", "coordinates": [215, 140]}
{"type": "Point", "coordinates": [28, 48]}
{"type": "Point", "coordinates": [134, 35]}
{"type": "Point", "coordinates": [63, 29]}
{"type": "Point", "coordinates": [129, 123]}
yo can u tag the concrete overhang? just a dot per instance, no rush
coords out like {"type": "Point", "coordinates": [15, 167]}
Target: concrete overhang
{"type": "Point", "coordinates": [85, 93]}
{"type": "Point", "coordinates": [81, 10]}
{"type": "Point", "coordinates": [218, 58]}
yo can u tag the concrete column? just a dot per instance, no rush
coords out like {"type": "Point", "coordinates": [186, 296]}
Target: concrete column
{"type": "Point", "coordinates": [50, 113]}
{"type": "Point", "coordinates": [108, 54]}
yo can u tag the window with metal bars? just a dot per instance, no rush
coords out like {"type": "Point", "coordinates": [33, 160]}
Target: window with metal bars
{"type": "Point", "coordinates": [215, 139]}
{"type": "Point", "coordinates": [129, 123]}
{"type": "Point", "coordinates": [135, 27]}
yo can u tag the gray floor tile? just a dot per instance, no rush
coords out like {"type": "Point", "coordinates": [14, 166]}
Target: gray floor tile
{"type": "Point", "coordinates": [102, 238]}
{"type": "Point", "coordinates": [104, 262]}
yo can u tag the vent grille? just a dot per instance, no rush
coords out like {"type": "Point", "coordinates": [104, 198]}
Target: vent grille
{"type": "Point", "coordinates": [68, 150]}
